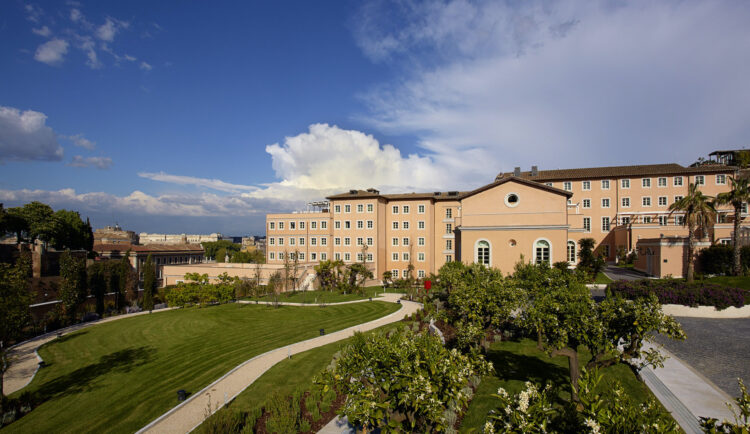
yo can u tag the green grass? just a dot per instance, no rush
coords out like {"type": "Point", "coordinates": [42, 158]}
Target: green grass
{"type": "Point", "coordinates": [602, 278]}
{"type": "Point", "coordinates": [118, 376]}
{"type": "Point", "coordinates": [317, 297]}
{"type": "Point", "coordinates": [732, 281]}
{"type": "Point", "coordinates": [518, 362]}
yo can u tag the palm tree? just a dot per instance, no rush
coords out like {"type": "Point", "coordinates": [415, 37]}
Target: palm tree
{"type": "Point", "coordinates": [699, 214]}
{"type": "Point", "coordinates": [739, 194]}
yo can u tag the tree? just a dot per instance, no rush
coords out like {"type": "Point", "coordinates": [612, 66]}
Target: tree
{"type": "Point", "coordinates": [254, 257]}
{"type": "Point", "coordinates": [699, 214]}
{"type": "Point", "coordinates": [16, 223]}
{"type": "Point", "coordinates": [15, 298]}
{"type": "Point", "coordinates": [739, 195]}
{"type": "Point", "coordinates": [211, 249]}
{"type": "Point", "coordinates": [41, 224]}
{"type": "Point", "coordinates": [73, 289]}
{"type": "Point", "coordinates": [113, 276]}
{"type": "Point", "coordinates": [128, 278]}
{"type": "Point", "coordinates": [149, 283]}
{"type": "Point", "coordinates": [589, 262]}
{"type": "Point", "coordinates": [97, 285]}
{"type": "Point", "coordinates": [71, 232]}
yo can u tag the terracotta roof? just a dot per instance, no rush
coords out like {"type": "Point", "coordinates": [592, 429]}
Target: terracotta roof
{"type": "Point", "coordinates": [363, 194]}
{"type": "Point", "coordinates": [156, 248]}
{"type": "Point", "coordinates": [619, 171]}
{"type": "Point", "coordinates": [520, 181]}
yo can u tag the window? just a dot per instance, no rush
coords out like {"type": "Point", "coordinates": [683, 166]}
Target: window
{"type": "Point", "coordinates": [405, 209]}
{"type": "Point", "coordinates": [347, 241]}
{"type": "Point", "coordinates": [420, 241]}
{"type": "Point", "coordinates": [281, 256]}
{"type": "Point", "coordinates": [347, 208]}
{"type": "Point", "coordinates": [448, 228]}
{"type": "Point", "coordinates": [301, 241]}
{"type": "Point", "coordinates": [405, 241]}
{"type": "Point", "coordinates": [291, 225]}
{"type": "Point", "coordinates": [625, 221]}
{"type": "Point", "coordinates": [360, 208]}
{"type": "Point", "coordinates": [347, 224]}
{"type": "Point", "coordinates": [626, 202]}
{"type": "Point", "coordinates": [744, 208]}
{"type": "Point", "coordinates": [678, 181]}
{"type": "Point", "coordinates": [395, 225]}
{"type": "Point", "coordinates": [394, 256]}
{"type": "Point", "coordinates": [548, 184]}
{"type": "Point", "coordinates": [625, 183]}
{"type": "Point", "coordinates": [323, 241]}
{"type": "Point", "coordinates": [360, 224]}
{"type": "Point", "coordinates": [420, 274]}
{"type": "Point", "coordinates": [567, 186]}
{"type": "Point", "coordinates": [394, 274]}
{"type": "Point", "coordinates": [323, 256]}
{"type": "Point", "coordinates": [271, 241]}
{"type": "Point", "coordinates": [281, 225]}
{"type": "Point", "coordinates": [606, 250]}
{"type": "Point", "coordinates": [448, 213]}
{"type": "Point", "coordinates": [313, 241]}
{"type": "Point", "coordinates": [721, 179]}
{"type": "Point", "coordinates": [337, 241]}
{"type": "Point", "coordinates": [420, 257]}
{"type": "Point", "coordinates": [313, 225]}
{"type": "Point", "coordinates": [405, 273]}
{"type": "Point", "coordinates": [347, 257]}
{"type": "Point", "coordinates": [605, 224]}
{"type": "Point", "coordinates": [272, 256]}
{"type": "Point", "coordinates": [646, 182]}
{"type": "Point", "coordinates": [272, 225]}
{"type": "Point", "coordinates": [662, 200]}
{"type": "Point", "coordinates": [369, 224]}
{"type": "Point", "coordinates": [369, 207]}
{"type": "Point", "coordinates": [301, 256]}
{"type": "Point", "coordinates": [646, 219]}
{"type": "Point", "coordinates": [360, 241]}
{"type": "Point", "coordinates": [301, 225]}
{"type": "Point", "coordinates": [662, 220]}
{"type": "Point", "coordinates": [646, 200]}
{"type": "Point", "coordinates": [448, 244]}
{"type": "Point", "coordinates": [420, 209]}
{"type": "Point", "coordinates": [571, 251]}
{"type": "Point", "coordinates": [605, 184]}
{"type": "Point", "coordinates": [281, 241]}
{"type": "Point", "coordinates": [405, 256]}
{"type": "Point", "coordinates": [291, 241]}
{"type": "Point", "coordinates": [662, 182]}
{"type": "Point", "coordinates": [679, 220]}
{"type": "Point", "coordinates": [586, 185]}
{"type": "Point", "coordinates": [394, 210]}
{"type": "Point", "coordinates": [677, 198]}
{"type": "Point", "coordinates": [541, 251]}
{"type": "Point", "coordinates": [448, 258]}
{"type": "Point", "coordinates": [360, 257]}
{"type": "Point", "coordinates": [313, 256]}
{"type": "Point", "coordinates": [605, 202]}
{"type": "Point", "coordinates": [394, 241]}
{"type": "Point", "coordinates": [369, 241]}
{"type": "Point", "coordinates": [420, 224]}
{"type": "Point", "coordinates": [483, 252]}
{"type": "Point", "coordinates": [404, 225]}
{"type": "Point", "coordinates": [700, 180]}
{"type": "Point", "coordinates": [337, 209]}
{"type": "Point", "coordinates": [324, 224]}
{"type": "Point", "coordinates": [337, 224]}
{"type": "Point", "coordinates": [587, 224]}
{"type": "Point", "coordinates": [369, 257]}
{"type": "Point", "coordinates": [587, 203]}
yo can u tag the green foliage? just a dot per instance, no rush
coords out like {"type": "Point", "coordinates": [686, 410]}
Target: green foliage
{"type": "Point", "coordinates": [35, 220]}
{"type": "Point", "coordinates": [15, 298]}
{"type": "Point", "coordinates": [211, 249]}
{"type": "Point", "coordinates": [254, 257]}
{"type": "Point", "coordinates": [71, 232]}
{"type": "Point", "coordinates": [530, 411]}
{"type": "Point", "coordinates": [719, 259]}
{"type": "Point", "coordinates": [589, 262]}
{"type": "Point", "coordinates": [284, 414]}
{"type": "Point", "coordinates": [73, 290]}
{"type": "Point", "coordinates": [201, 292]}
{"type": "Point", "coordinates": [402, 381]}
{"type": "Point", "coordinates": [97, 281]}
{"type": "Point", "coordinates": [149, 283]}
{"type": "Point", "coordinates": [200, 279]}
{"type": "Point", "coordinates": [741, 423]}
{"type": "Point", "coordinates": [699, 214]}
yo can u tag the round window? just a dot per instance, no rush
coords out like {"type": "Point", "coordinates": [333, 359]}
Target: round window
{"type": "Point", "coordinates": [512, 243]}
{"type": "Point", "coordinates": [511, 199]}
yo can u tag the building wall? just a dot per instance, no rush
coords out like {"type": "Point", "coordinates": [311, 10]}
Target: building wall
{"type": "Point", "coordinates": [667, 256]}
{"type": "Point", "coordinates": [174, 274]}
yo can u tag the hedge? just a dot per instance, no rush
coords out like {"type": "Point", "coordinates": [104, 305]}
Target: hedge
{"type": "Point", "coordinates": [677, 291]}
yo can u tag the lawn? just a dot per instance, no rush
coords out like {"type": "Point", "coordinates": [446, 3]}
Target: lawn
{"type": "Point", "coordinates": [517, 362]}
{"type": "Point", "coordinates": [118, 376]}
{"type": "Point", "coordinates": [731, 281]}
{"type": "Point", "coordinates": [602, 278]}
{"type": "Point", "coordinates": [316, 297]}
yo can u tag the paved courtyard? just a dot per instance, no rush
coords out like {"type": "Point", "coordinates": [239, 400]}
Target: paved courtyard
{"type": "Point", "coordinates": [719, 349]}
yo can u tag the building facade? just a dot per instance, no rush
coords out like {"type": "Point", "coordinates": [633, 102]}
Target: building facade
{"type": "Point", "coordinates": [162, 255]}
{"type": "Point", "coordinates": [168, 239]}
{"type": "Point", "coordinates": [535, 215]}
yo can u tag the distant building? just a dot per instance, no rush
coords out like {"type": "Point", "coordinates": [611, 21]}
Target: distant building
{"type": "Point", "coordinates": [169, 239]}
{"type": "Point", "coordinates": [114, 235]}
{"type": "Point", "coordinates": [171, 254]}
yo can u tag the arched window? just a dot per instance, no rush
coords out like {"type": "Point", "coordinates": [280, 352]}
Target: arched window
{"type": "Point", "coordinates": [541, 251]}
{"type": "Point", "coordinates": [572, 252]}
{"type": "Point", "coordinates": [483, 252]}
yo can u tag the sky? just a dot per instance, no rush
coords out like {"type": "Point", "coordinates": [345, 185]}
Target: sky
{"type": "Point", "coordinates": [200, 117]}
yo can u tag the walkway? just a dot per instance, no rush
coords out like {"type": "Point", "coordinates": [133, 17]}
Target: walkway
{"type": "Point", "coordinates": [191, 413]}
{"type": "Point", "coordinates": [619, 273]}
{"type": "Point", "coordinates": [25, 360]}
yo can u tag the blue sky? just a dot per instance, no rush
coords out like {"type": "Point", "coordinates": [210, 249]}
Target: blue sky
{"type": "Point", "coordinates": [196, 117]}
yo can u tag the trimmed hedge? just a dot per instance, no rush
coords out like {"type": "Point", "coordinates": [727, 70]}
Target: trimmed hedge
{"type": "Point", "coordinates": [677, 291]}
{"type": "Point", "coordinates": [718, 259]}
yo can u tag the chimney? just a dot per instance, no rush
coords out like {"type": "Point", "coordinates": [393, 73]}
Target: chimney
{"type": "Point", "coordinates": [534, 171]}
{"type": "Point", "coordinates": [517, 171]}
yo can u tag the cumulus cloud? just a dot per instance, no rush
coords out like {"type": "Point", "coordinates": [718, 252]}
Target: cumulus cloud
{"type": "Point", "coordinates": [82, 142]}
{"type": "Point", "coordinates": [145, 66]}
{"type": "Point", "coordinates": [214, 184]}
{"type": "Point", "coordinates": [24, 136]}
{"type": "Point", "coordinates": [493, 84]}
{"type": "Point", "coordinates": [108, 30]}
{"type": "Point", "coordinates": [97, 162]}
{"type": "Point", "coordinates": [52, 52]}
{"type": "Point", "coordinates": [33, 12]}
{"type": "Point", "coordinates": [42, 31]}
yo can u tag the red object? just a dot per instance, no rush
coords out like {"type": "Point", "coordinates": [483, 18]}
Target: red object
{"type": "Point", "coordinates": [427, 285]}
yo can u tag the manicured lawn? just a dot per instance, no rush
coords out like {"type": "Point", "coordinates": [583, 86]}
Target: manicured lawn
{"type": "Point", "coordinates": [118, 376]}
{"type": "Point", "coordinates": [317, 297]}
{"type": "Point", "coordinates": [518, 362]}
{"type": "Point", "coordinates": [733, 281]}
{"type": "Point", "coordinates": [602, 278]}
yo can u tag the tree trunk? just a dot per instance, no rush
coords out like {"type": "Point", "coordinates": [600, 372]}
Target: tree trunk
{"type": "Point", "coordinates": [736, 241]}
{"type": "Point", "coordinates": [691, 248]}
{"type": "Point", "coordinates": [572, 356]}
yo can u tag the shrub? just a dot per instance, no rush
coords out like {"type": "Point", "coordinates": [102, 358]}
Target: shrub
{"type": "Point", "coordinates": [716, 259]}
{"type": "Point", "coordinates": [676, 291]}
{"type": "Point", "coordinates": [741, 423]}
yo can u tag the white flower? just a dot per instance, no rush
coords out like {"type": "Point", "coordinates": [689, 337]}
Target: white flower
{"type": "Point", "coordinates": [489, 428]}
{"type": "Point", "coordinates": [523, 400]}
{"type": "Point", "coordinates": [502, 392]}
{"type": "Point", "coordinates": [595, 429]}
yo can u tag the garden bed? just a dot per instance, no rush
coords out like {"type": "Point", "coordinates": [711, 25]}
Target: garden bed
{"type": "Point", "coordinates": [679, 292]}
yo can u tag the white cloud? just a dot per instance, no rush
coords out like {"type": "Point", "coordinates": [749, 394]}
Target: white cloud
{"type": "Point", "coordinates": [24, 136]}
{"type": "Point", "coordinates": [88, 46]}
{"type": "Point", "coordinates": [97, 162]}
{"type": "Point", "coordinates": [52, 52]}
{"type": "Point", "coordinates": [108, 30]}
{"type": "Point", "coordinates": [33, 12]}
{"type": "Point", "coordinates": [82, 142]}
{"type": "Point", "coordinates": [145, 66]}
{"type": "Point", "coordinates": [130, 58]}
{"type": "Point", "coordinates": [42, 31]}
{"type": "Point", "coordinates": [214, 184]}
{"type": "Point", "coordinates": [76, 15]}
{"type": "Point", "coordinates": [489, 85]}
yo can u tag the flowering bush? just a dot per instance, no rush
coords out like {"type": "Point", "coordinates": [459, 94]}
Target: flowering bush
{"type": "Point", "coordinates": [741, 423]}
{"type": "Point", "coordinates": [403, 382]}
{"type": "Point", "coordinates": [530, 411]}
{"type": "Point", "coordinates": [680, 292]}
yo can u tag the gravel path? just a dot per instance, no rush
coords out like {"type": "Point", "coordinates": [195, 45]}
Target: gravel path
{"type": "Point", "coordinates": [717, 348]}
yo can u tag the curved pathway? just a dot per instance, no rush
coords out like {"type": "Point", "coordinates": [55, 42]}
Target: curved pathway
{"type": "Point", "coordinates": [25, 360]}
{"type": "Point", "coordinates": [191, 413]}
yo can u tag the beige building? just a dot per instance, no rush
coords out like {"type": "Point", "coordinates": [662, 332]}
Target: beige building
{"type": "Point", "coordinates": [114, 235]}
{"type": "Point", "coordinates": [540, 215]}
{"type": "Point", "coordinates": [168, 239]}
{"type": "Point", "coordinates": [162, 255]}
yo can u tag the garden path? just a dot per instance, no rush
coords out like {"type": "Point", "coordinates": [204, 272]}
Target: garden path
{"type": "Point", "coordinates": [192, 412]}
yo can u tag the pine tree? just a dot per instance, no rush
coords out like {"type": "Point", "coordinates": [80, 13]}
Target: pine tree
{"type": "Point", "coordinates": [149, 283]}
{"type": "Point", "coordinates": [72, 285]}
